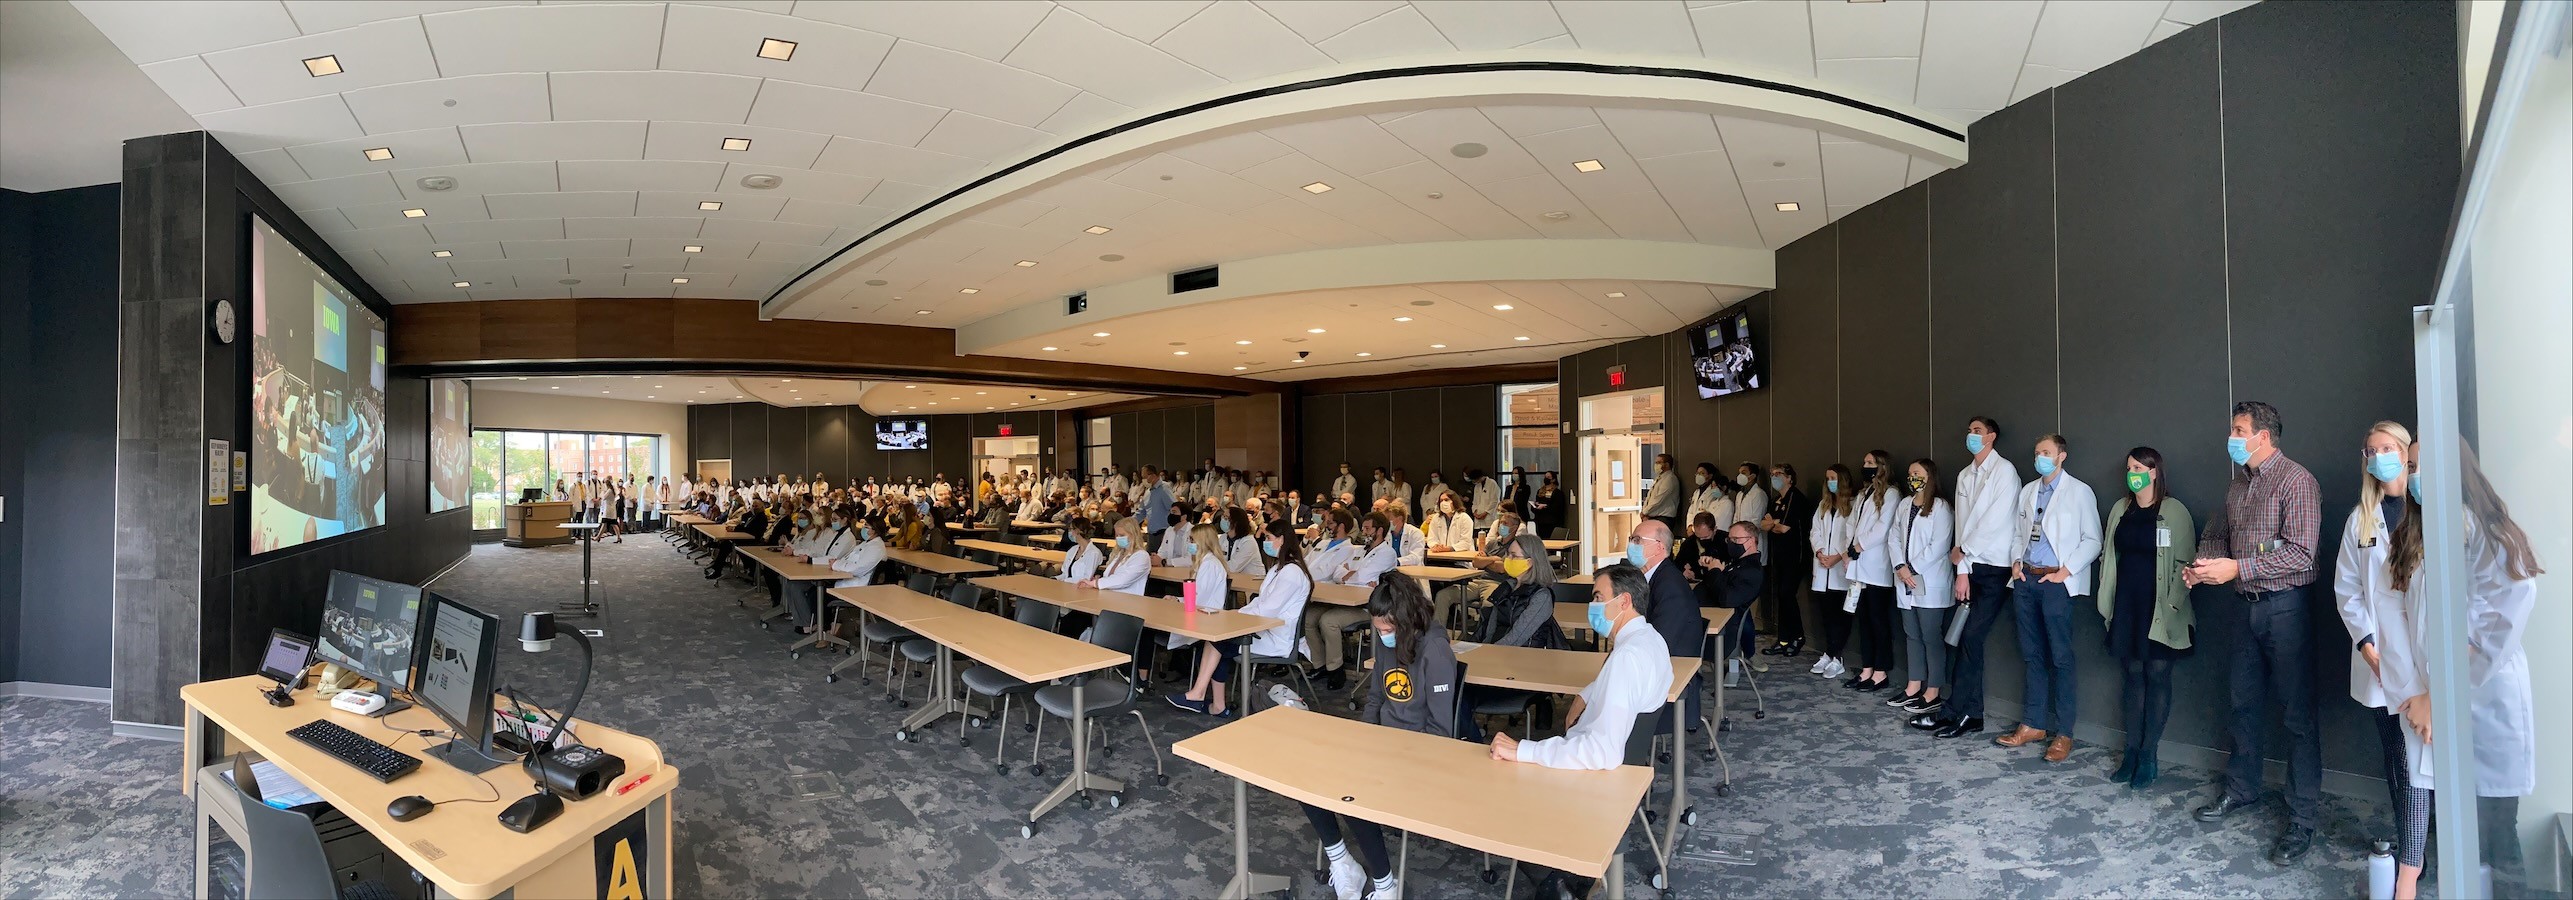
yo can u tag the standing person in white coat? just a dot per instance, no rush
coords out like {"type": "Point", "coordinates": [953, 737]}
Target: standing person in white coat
{"type": "Point", "coordinates": [1344, 483]}
{"type": "Point", "coordinates": [1871, 570]}
{"type": "Point", "coordinates": [1662, 500]}
{"type": "Point", "coordinates": [2051, 565]}
{"type": "Point", "coordinates": [2377, 613]}
{"type": "Point", "coordinates": [1835, 523]}
{"type": "Point", "coordinates": [1435, 488]}
{"type": "Point", "coordinates": [1919, 545]}
{"type": "Point", "coordinates": [1984, 533]}
{"type": "Point", "coordinates": [1710, 498]}
{"type": "Point", "coordinates": [1486, 497]}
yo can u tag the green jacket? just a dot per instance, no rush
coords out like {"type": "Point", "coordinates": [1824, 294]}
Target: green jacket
{"type": "Point", "coordinates": [2172, 615]}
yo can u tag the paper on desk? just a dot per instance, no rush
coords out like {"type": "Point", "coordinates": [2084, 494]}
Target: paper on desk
{"type": "Point", "coordinates": [1462, 646]}
{"type": "Point", "coordinates": [278, 789]}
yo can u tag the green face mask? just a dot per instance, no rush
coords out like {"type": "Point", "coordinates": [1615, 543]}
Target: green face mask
{"type": "Point", "coordinates": [2138, 481]}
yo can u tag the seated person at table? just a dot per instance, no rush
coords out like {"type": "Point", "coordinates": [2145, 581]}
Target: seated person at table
{"type": "Point", "coordinates": [1126, 569]}
{"type": "Point", "coordinates": [1733, 577]}
{"type": "Point", "coordinates": [1635, 680]}
{"type": "Point", "coordinates": [1449, 528]}
{"type": "Point", "coordinates": [1410, 545]}
{"type": "Point", "coordinates": [1241, 542]}
{"type": "Point", "coordinates": [1415, 670]}
{"type": "Point", "coordinates": [861, 561]}
{"type": "Point", "coordinates": [1080, 557]}
{"type": "Point", "coordinates": [1175, 549]}
{"type": "Point", "coordinates": [1330, 548]}
{"type": "Point", "coordinates": [805, 533]}
{"type": "Point", "coordinates": [753, 521]}
{"type": "Point", "coordinates": [1282, 595]}
{"type": "Point", "coordinates": [1214, 582]}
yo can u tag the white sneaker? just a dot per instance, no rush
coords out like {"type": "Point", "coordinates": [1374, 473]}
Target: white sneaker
{"type": "Point", "coordinates": [1347, 879]}
{"type": "Point", "coordinates": [1837, 669]}
{"type": "Point", "coordinates": [1819, 666]}
{"type": "Point", "coordinates": [1393, 888]}
{"type": "Point", "coordinates": [1281, 695]}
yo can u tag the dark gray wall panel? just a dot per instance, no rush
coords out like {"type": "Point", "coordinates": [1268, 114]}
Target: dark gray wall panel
{"type": "Point", "coordinates": [1412, 433]}
{"type": "Point", "coordinates": [1992, 286]}
{"type": "Point", "coordinates": [59, 610]}
{"type": "Point", "coordinates": [828, 450]}
{"type": "Point", "coordinates": [710, 432]}
{"type": "Point", "coordinates": [1324, 442]}
{"type": "Point", "coordinates": [1469, 419]}
{"type": "Point", "coordinates": [1885, 320]}
{"type": "Point", "coordinates": [750, 440]}
{"type": "Point", "coordinates": [1803, 351]}
{"type": "Point", "coordinates": [1367, 420]}
{"type": "Point", "coordinates": [17, 251]}
{"type": "Point", "coordinates": [788, 436]}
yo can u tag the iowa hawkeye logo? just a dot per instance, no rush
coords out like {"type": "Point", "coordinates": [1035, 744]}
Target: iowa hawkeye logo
{"type": "Point", "coordinates": [1398, 685]}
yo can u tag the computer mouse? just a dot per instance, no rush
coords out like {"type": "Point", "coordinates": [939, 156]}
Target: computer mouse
{"type": "Point", "coordinates": [404, 809]}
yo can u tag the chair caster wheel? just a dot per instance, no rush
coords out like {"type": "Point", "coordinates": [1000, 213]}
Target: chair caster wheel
{"type": "Point", "coordinates": [902, 703]}
{"type": "Point", "coordinates": [1086, 802]}
{"type": "Point", "coordinates": [979, 722]}
{"type": "Point", "coordinates": [1663, 757]}
{"type": "Point", "coordinates": [1116, 800]}
{"type": "Point", "coordinates": [1706, 756]}
{"type": "Point", "coordinates": [795, 654]}
{"type": "Point", "coordinates": [1107, 752]}
{"type": "Point", "coordinates": [1724, 790]}
{"type": "Point", "coordinates": [1037, 770]}
{"type": "Point", "coordinates": [1002, 769]}
{"type": "Point", "coordinates": [1027, 726]}
{"type": "Point", "coordinates": [1652, 815]}
{"type": "Point", "coordinates": [1162, 780]}
{"type": "Point", "coordinates": [1490, 876]}
{"type": "Point", "coordinates": [903, 736]}
{"type": "Point", "coordinates": [963, 741]}
{"type": "Point", "coordinates": [1689, 816]}
{"type": "Point", "coordinates": [830, 679]}
{"type": "Point", "coordinates": [1027, 831]}
{"type": "Point", "coordinates": [1661, 881]}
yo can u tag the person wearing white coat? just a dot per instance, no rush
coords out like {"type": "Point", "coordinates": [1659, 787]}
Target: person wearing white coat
{"type": "Point", "coordinates": [1283, 592]}
{"type": "Point", "coordinates": [1871, 571]}
{"type": "Point", "coordinates": [1922, 535]}
{"type": "Point", "coordinates": [2377, 613]}
{"type": "Point", "coordinates": [1448, 529]}
{"type": "Point", "coordinates": [1711, 498]}
{"type": "Point", "coordinates": [1486, 498]}
{"type": "Point", "coordinates": [1834, 523]}
{"type": "Point", "coordinates": [2057, 528]}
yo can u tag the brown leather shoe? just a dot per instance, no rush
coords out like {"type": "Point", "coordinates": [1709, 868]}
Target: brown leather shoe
{"type": "Point", "coordinates": [2020, 738]}
{"type": "Point", "coordinates": [2060, 748]}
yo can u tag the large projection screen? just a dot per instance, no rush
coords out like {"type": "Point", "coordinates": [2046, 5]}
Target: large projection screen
{"type": "Point", "coordinates": [450, 443]}
{"type": "Point", "coordinates": [317, 400]}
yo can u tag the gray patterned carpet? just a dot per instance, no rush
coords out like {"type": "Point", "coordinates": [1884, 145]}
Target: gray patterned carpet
{"type": "Point", "coordinates": [1838, 799]}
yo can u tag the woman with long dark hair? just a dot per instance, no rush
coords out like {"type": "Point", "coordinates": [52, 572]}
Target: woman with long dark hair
{"type": "Point", "coordinates": [1871, 569]}
{"type": "Point", "coordinates": [2146, 605]}
{"type": "Point", "coordinates": [1282, 595]}
{"type": "Point", "coordinates": [1924, 532]}
{"type": "Point", "coordinates": [1835, 521]}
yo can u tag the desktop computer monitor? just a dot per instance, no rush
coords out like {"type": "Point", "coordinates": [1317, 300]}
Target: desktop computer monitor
{"type": "Point", "coordinates": [455, 680]}
{"type": "Point", "coordinates": [368, 626]}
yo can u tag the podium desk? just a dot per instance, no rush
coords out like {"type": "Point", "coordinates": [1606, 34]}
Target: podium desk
{"type": "Point", "coordinates": [538, 524]}
{"type": "Point", "coordinates": [461, 848]}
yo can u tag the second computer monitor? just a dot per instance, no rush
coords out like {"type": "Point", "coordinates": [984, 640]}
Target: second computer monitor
{"type": "Point", "coordinates": [368, 626]}
{"type": "Point", "coordinates": [456, 678]}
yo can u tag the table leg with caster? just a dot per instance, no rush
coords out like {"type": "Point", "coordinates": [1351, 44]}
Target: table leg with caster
{"type": "Point", "coordinates": [1079, 781]}
{"type": "Point", "coordinates": [1246, 883]}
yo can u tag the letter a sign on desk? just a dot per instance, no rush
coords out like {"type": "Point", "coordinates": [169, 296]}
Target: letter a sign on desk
{"type": "Point", "coordinates": [622, 853]}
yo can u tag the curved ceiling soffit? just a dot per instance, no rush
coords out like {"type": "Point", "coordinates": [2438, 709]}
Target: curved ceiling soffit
{"type": "Point", "coordinates": [1388, 265]}
{"type": "Point", "coordinates": [1490, 77]}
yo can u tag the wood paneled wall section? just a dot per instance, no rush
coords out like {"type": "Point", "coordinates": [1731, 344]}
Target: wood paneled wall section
{"type": "Point", "coordinates": [1247, 432]}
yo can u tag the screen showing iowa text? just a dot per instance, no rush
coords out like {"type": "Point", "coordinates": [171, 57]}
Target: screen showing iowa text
{"type": "Point", "coordinates": [317, 400]}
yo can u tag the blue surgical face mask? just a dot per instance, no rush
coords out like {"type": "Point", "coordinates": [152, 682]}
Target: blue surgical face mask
{"type": "Point", "coordinates": [2238, 450]}
{"type": "Point", "coordinates": [2045, 466]}
{"type": "Point", "coordinates": [2385, 466]}
{"type": "Point", "coordinates": [1599, 615]}
{"type": "Point", "coordinates": [1832, 484]}
{"type": "Point", "coordinates": [1974, 443]}
{"type": "Point", "coordinates": [1386, 638]}
{"type": "Point", "coordinates": [2415, 488]}
{"type": "Point", "coordinates": [1124, 542]}
{"type": "Point", "coordinates": [1270, 546]}
{"type": "Point", "coordinates": [1778, 483]}
{"type": "Point", "coordinates": [1634, 557]}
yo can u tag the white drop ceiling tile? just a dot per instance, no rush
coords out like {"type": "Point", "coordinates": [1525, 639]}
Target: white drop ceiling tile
{"type": "Point", "coordinates": [1015, 214]}
{"type": "Point", "coordinates": [1193, 184]}
{"type": "Point", "coordinates": [705, 142]}
{"type": "Point", "coordinates": [504, 269]}
{"type": "Point", "coordinates": [785, 104]}
{"type": "Point", "coordinates": [271, 126]}
{"type": "Point", "coordinates": [407, 235]}
{"type": "Point", "coordinates": [443, 102]}
{"type": "Point", "coordinates": [1630, 26]}
{"type": "Point", "coordinates": [923, 74]}
{"type": "Point", "coordinates": [2036, 79]}
{"type": "Point", "coordinates": [497, 230]}
{"type": "Point", "coordinates": [1522, 121]}
{"type": "Point", "coordinates": [565, 249]}
{"type": "Point", "coordinates": [1143, 20]}
{"type": "Point", "coordinates": [1434, 133]}
{"type": "Point", "coordinates": [660, 96]}
{"type": "Point", "coordinates": [150, 31]}
{"type": "Point", "coordinates": [317, 16]}
{"type": "Point", "coordinates": [623, 265]}
{"type": "Point", "coordinates": [788, 253]}
{"type": "Point", "coordinates": [546, 38]}
{"type": "Point", "coordinates": [388, 52]}
{"type": "Point", "coordinates": [1882, 79]}
{"type": "Point", "coordinates": [698, 282]}
{"type": "Point", "coordinates": [1458, 206]}
{"type": "Point", "coordinates": [460, 250]}
{"type": "Point", "coordinates": [801, 183]}
{"type": "Point", "coordinates": [1353, 145]}
{"type": "Point", "coordinates": [479, 178]}
{"type": "Point", "coordinates": [1558, 42]}
{"type": "Point", "coordinates": [352, 190]}
{"type": "Point", "coordinates": [549, 141]}
{"type": "Point", "coordinates": [2091, 34]}
{"type": "Point", "coordinates": [325, 221]}
{"type": "Point", "coordinates": [1781, 228]}
{"type": "Point", "coordinates": [1531, 197]}
{"type": "Point", "coordinates": [819, 212]}
{"type": "Point", "coordinates": [1649, 133]}
{"type": "Point", "coordinates": [1317, 20]}
{"type": "Point", "coordinates": [990, 31]}
{"type": "Point", "coordinates": [1867, 30]}
{"type": "Point", "coordinates": [1860, 174]}
{"type": "Point", "coordinates": [1703, 191]}
{"type": "Point", "coordinates": [1086, 113]}
{"type": "Point", "coordinates": [1559, 150]}
{"type": "Point", "coordinates": [677, 248]}
{"type": "Point", "coordinates": [712, 39]}
{"type": "Point", "coordinates": [757, 231]}
{"type": "Point", "coordinates": [272, 166]}
{"type": "Point", "coordinates": [1096, 197]}
{"type": "Point", "coordinates": [193, 86]}
{"type": "Point", "coordinates": [444, 208]}
{"type": "Point", "coordinates": [975, 137]}
{"type": "Point", "coordinates": [1492, 24]}
{"type": "Point", "coordinates": [850, 156]}
{"type": "Point", "coordinates": [2161, 29]}
{"type": "Point", "coordinates": [1763, 34]}
{"type": "Point", "coordinates": [561, 204]}
{"type": "Point", "coordinates": [1233, 153]}
{"type": "Point", "coordinates": [427, 147]}
{"type": "Point", "coordinates": [672, 204]}
{"type": "Point", "coordinates": [1239, 42]}
{"type": "Point", "coordinates": [1402, 32]}
{"type": "Point", "coordinates": [1304, 221]}
{"type": "Point", "coordinates": [640, 175]}
{"type": "Point", "coordinates": [1971, 52]}
{"type": "Point", "coordinates": [589, 289]}
{"type": "Point", "coordinates": [899, 194]}
{"type": "Point", "coordinates": [1766, 151]}
{"type": "Point", "coordinates": [762, 268]}
{"type": "Point", "coordinates": [2192, 12]}
{"type": "Point", "coordinates": [1079, 52]}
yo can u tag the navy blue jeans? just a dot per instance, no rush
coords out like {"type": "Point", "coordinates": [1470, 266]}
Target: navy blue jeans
{"type": "Point", "coordinates": [1988, 586]}
{"type": "Point", "coordinates": [2275, 657]}
{"type": "Point", "coordinates": [2045, 616]}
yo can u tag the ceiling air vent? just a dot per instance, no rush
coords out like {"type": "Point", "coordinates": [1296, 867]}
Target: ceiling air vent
{"type": "Point", "coordinates": [1192, 280]}
{"type": "Point", "coordinates": [1076, 304]}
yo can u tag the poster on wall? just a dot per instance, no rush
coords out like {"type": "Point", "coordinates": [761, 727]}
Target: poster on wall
{"type": "Point", "coordinates": [240, 470]}
{"type": "Point", "coordinates": [450, 443]}
{"type": "Point", "coordinates": [218, 473]}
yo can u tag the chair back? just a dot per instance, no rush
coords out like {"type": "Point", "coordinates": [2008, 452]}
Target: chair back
{"type": "Point", "coordinates": [922, 583]}
{"type": "Point", "coordinates": [1559, 533]}
{"type": "Point", "coordinates": [1566, 592]}
{"type": "Point", "coordinates": [1122, 633]}
{"type": "Point", "coordinates": [1639, 739]}
{"type": "Point", "coordinates": [965, 595]}
{"type": "Point", "coordinates": [1042, 616]}
{"type": "Point", "coordinates": [282, 855]}
{"type": "Point", "coordinates": [1456, 695]}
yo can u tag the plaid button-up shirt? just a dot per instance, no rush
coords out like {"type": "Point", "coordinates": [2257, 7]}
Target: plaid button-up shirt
{"type": "Point", "coordinates": [2273, 520]}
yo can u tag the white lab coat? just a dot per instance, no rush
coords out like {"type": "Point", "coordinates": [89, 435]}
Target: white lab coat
{"type": "Point", "coordinates": [2503, 707]}
{"type": "Point", "coordinates": [1831, 532]}
{"type": "Point", "coordinates": [1635, 680]}
{"type": "Point", "coordinates": [1127, 574]}
{"type": "Point", "coordinates": [1710, 498]}
{"type": "Point", "coordinates": [2370, 605]}
{"type": "Point", "coordinates": [1080, 560]}
{"type": "Point", "coordinates": [1174, 548]}
{"type": "Point", "coordinates": [1380, 489]}
{"type": "Point", "coordinates": [1214, 585]}
{"type": "Point", "coordinates": [1487, 500]}
{"type": "Point", "coordinates": [1367, 567]}
{"type": "Point", "coordinates": [1456, 532]}
{"type": "Point", "coordinates": [1873, 521]}
{"type": "Point", "coordinates": [1282, 595]}
{"type": "Point", "coordinates": [1242, 554]}
{"type": "Point", "coordinates": [1749, 506]}
{"type": "Point", "coordinates": [1411, 547]}
{"type": "Point", "coordinates": [1984, 522]}
{"type": "Point", "coordinates": [1429, 498]}
{"type": "Point", "coordinates": [2072, 528]}
{"type": "Point", "coordinates": [1329, 560]}
{"type": "Point", "coordinates": [1923, 543]}
{"type": "Point", "coordinates": [860, 564]}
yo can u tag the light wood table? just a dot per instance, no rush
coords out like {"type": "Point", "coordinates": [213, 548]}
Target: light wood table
{"type": "Point", "coordinates": [1025, 525]}
{"type": "Point", "coordinates": [1162, 614]}
{"type": "Point", "coordinates": [1013, 551]}
{"type": "Point", "coordinates": [969, 528]}
{"type": "Point", "coordinates": [802, 576]}
{"type": "Point", "coordinates": [459, 847]}
{"type": "Point", "coordinates": [1029, 654]}
{"type": "Point", "coordinates": [1434, 577]}
{"type": "Point", "coordinates": [1440, 787]}
{"type": "Point", "coordinates": [892, 602]}
{"type": "Point", "coordinates": [1056, 540]}
{"type": "Point", "coordinates": [1576, 616]}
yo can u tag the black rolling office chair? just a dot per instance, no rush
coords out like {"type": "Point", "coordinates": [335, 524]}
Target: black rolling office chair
{"type": "Point", "coordinates": [885, 632]}
{"type": "Point", "coordinates": [1105, 694]}
{"type": "Point", "coordinates": [918, 651]}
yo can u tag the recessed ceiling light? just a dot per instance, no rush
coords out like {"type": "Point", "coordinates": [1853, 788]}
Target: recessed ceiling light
{"type": "Point", "coordinates": [1468, 150]}
{"type": "Point", "coordinates": [1520, 338]}
{"type": "Point", "coordinates": [442, 254]}
{"type": "Point", "coordinates": [379, 154]}
{"type": "Point", "coordinates": [322, 65]}
{"type": "Point", "coordinates": [1046, 349]}
{"type": "Point", "coordinates": [1179, 353]}
{"type": "Point", "coordinates": [554, 388]}
{"type": "Point", "coordinates": [795, 390]}
{"type": "Point", "coordinates": [772, 48]}
{"type": "Point", "coordinates": [1316, 188]}
{"type": "Point", "coordinates": [1402, 318]}
{"type": "Point", "coordinates": [415, 213]}
{"type": "Point", "coordinates": [1027, 263]}
{"type": "Point", "coordinates": [1587, 165]}
{"type": "Point", "coordinates": [981, 393]}
{"type": "Point", "coordinates": [1616, 295]}
{"type": "Point", "coordinates": [736, 143]}
{"type": "Point", "coordinates": [1504, 307]}
{"type": "Point", "coordinates": [1557, 215]}
{"type": "Point", "coordinates": [602, 392]}
{"type": "Point", "coordinates": [1241, 368]}
{"type": "Point", "coordinates": [693, 248]}
{"type": "Point", "coordinates": [910, 387]}
{"type": "Point", "coordinates": [1098, 334]}
{"type": "Point", "coordinates": [1098, 229]}
{"type": "Point", "coordinates": [1438, 346]}
{"type": "Point", "coordinates": [1296, 360]}
{"type": "Point", "coordinates": [1313, 331]}
{"type": "Point", "coordinates": [970, 291]}
{"type": "Point", "coordinates": [786, 381]}
{"type": "Point", "coordinates": [710, 205]}
{"type": "Point", "coordinates": [1241, 343]}
{"type": "Point", "coordinates": [464, 284]}
{"type": "Point", "coordinates": [678, 281]}
{"type": "Point", "coordinates": [1366, 354]}
{"type": "Point", "coordinates": [1789, 206]}
{"type": "Point", "coordinates": [648, 396]}
{"type": "Point", "coordinates": [988, 407]}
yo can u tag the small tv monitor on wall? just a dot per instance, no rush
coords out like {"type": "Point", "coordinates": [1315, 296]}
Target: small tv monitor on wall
{"type": "Point", "coordinates": [902, 434]}
{"type": "Point", "coordinates": [1724, 355]}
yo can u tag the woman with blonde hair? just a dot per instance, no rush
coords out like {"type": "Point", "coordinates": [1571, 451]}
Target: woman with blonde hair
{"type": "Point", "coordinates": [2374, 606]}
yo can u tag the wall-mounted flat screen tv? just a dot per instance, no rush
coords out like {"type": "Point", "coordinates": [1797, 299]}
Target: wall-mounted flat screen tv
{"type": "Point", "coordinates": [902, 434]}
{"type": "Point", "coordinates": [1725, 357]}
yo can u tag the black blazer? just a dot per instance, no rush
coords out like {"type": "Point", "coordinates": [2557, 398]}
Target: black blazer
{"type": "Point", "coordinates": [1737, 585]}
{"type": "Point", "coordinates": [1674, 610]}
{"type": "Point", "coordinates": [1795, 509]}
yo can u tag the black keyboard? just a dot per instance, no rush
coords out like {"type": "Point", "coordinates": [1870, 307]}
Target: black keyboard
{"type": "Point", "coordinates": [382, 762]}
